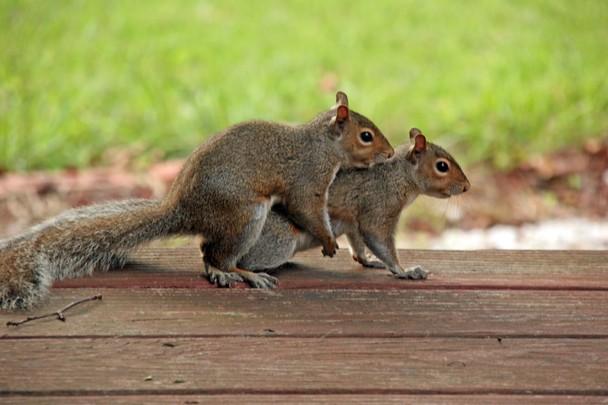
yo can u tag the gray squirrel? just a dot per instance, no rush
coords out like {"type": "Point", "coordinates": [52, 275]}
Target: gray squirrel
{"type": "Point", "coordinates": [366, 205]}
{"type": "Point", "coordinates": [223, 194]}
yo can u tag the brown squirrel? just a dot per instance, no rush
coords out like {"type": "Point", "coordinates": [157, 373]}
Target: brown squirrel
{"type": "Point", "coordinates": [365, 205]}
{"type": "Point", "coordinates": [222, 194]}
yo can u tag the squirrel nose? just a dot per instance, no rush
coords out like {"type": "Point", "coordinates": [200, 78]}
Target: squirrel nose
{"type": "Point", "coordinates": [466, 187]}
{"type": "Point", "coordinates": [390, 153]}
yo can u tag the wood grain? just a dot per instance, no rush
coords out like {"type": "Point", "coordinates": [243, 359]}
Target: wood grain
{"type": "Point", "coordinates": [301, 366]}
{"type": "Point", "coordinates": [527, 270]}
{"type": "Point", "coordinates": [307, 399]}
{"type": "Point", "coordinates": [310, 313]}
{"type": "Point", "coordinates": [487, 327]}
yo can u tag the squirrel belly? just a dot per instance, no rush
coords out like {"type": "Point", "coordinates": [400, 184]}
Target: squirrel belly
{"type": "Point", "coordinates": [76, 243]}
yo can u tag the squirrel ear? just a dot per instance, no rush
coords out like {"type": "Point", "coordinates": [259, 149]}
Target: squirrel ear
{"type": "Point", "coordinates": [341, 107]}
{"type": "Point", "coordinates": [418, 140]}
{"type": "Point", "coordinates": [420, 143]}
{"type": "Point", "coordinates": [414, 132]}
{"type": "Point", "coordinates": [342, 113]}
{"type": "Point", "coordinates": [341, 98]}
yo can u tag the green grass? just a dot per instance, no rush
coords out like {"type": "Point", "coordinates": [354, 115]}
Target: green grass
{"type": "Point", "coordinates": [497, 80]}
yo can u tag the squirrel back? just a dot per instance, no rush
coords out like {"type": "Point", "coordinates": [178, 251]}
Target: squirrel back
{"type": "Point", "coordinates": [366, 205]}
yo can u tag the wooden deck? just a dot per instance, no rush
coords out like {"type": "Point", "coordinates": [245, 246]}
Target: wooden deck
{"type": "Point", "coordinates": [487, 327]}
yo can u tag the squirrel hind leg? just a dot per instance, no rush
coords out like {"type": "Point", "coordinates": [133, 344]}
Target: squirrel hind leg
{"type": "Point", "coordinates": [222, 252]}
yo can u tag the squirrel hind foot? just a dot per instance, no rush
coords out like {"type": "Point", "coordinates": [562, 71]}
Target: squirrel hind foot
{"type": "Point", "coordinates": [258, 280]}
{"type": "Point", "coordinates": [228, 279]}
{"type": "Point", "coordinates": [223, 279]}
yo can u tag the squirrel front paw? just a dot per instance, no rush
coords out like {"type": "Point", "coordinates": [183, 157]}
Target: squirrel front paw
{"type": "Point", "coordinates": [329, 248]}
{"type": "Point", "coordinates": [412, 273]}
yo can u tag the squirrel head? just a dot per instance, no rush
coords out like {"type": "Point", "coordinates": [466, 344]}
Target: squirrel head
{"type": "Point", "coordinates": [438, 173]}
{"type": "Point", "coordinates": [363, 142]}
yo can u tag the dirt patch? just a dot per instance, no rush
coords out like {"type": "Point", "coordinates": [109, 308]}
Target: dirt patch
{"type": "Point", "coordinates": [564, 184]}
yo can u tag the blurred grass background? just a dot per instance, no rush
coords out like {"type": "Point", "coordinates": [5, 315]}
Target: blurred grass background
{"type": "Point", "coordinates": [496, 80]}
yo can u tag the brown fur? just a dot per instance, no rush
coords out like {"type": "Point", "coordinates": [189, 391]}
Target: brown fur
{"type": "Point", "coordinates": [223, 194]}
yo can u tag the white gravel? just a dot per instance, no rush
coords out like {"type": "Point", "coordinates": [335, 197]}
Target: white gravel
{"type": "Point", "coordinates": [571, 233]}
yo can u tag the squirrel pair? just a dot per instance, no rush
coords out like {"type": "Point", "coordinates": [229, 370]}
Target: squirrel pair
{"type": "Point", "coordinates": [223, 194]}
{"type": "Point", "coordinates": [227, 193]}
{"type": "Point", "coordinates": [366, 205]}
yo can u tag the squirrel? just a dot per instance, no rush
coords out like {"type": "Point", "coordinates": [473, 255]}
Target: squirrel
{"type": "Point", "coordinates": [366, 205]}
{"type": "Point", "coordinates": [222, 194]}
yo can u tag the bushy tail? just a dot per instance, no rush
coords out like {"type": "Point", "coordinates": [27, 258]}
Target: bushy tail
{"type": "Point", "coordinates": [76, 243]}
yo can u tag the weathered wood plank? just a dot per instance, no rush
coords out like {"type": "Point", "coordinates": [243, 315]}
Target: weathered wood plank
{"type": "Point", "coordinates": [287, 365]}
{"type": "Point", "coordinates": [307, 313]}
{"type": "Point", "coordinates": [180, 268]}
{"type": "Point", "coordinates": [310, 399]}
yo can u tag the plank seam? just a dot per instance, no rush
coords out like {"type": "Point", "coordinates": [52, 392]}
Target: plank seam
{"type": "Point", "coordinates": [501, 337]}
{"type": "Point", "coordinates": [347, 287]}
{"type": "Point", "coordinates": [310, 391]}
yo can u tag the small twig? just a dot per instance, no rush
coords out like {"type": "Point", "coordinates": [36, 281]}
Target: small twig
{"type": "Point", "coordinates": [59, 314]}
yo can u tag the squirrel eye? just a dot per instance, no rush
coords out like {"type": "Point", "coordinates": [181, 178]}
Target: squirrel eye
{"type": "Point", "coordinates": [442, 166]}
{"type": "Point", "coordinates": [366, 137]}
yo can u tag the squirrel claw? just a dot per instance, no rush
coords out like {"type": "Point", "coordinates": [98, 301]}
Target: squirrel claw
{"type": "Point", "coordinates": [222, 278]}
{"type": "Point", "coordinates": [328, 253]}
{"type": "Point", "coordinates": [330, 248]}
